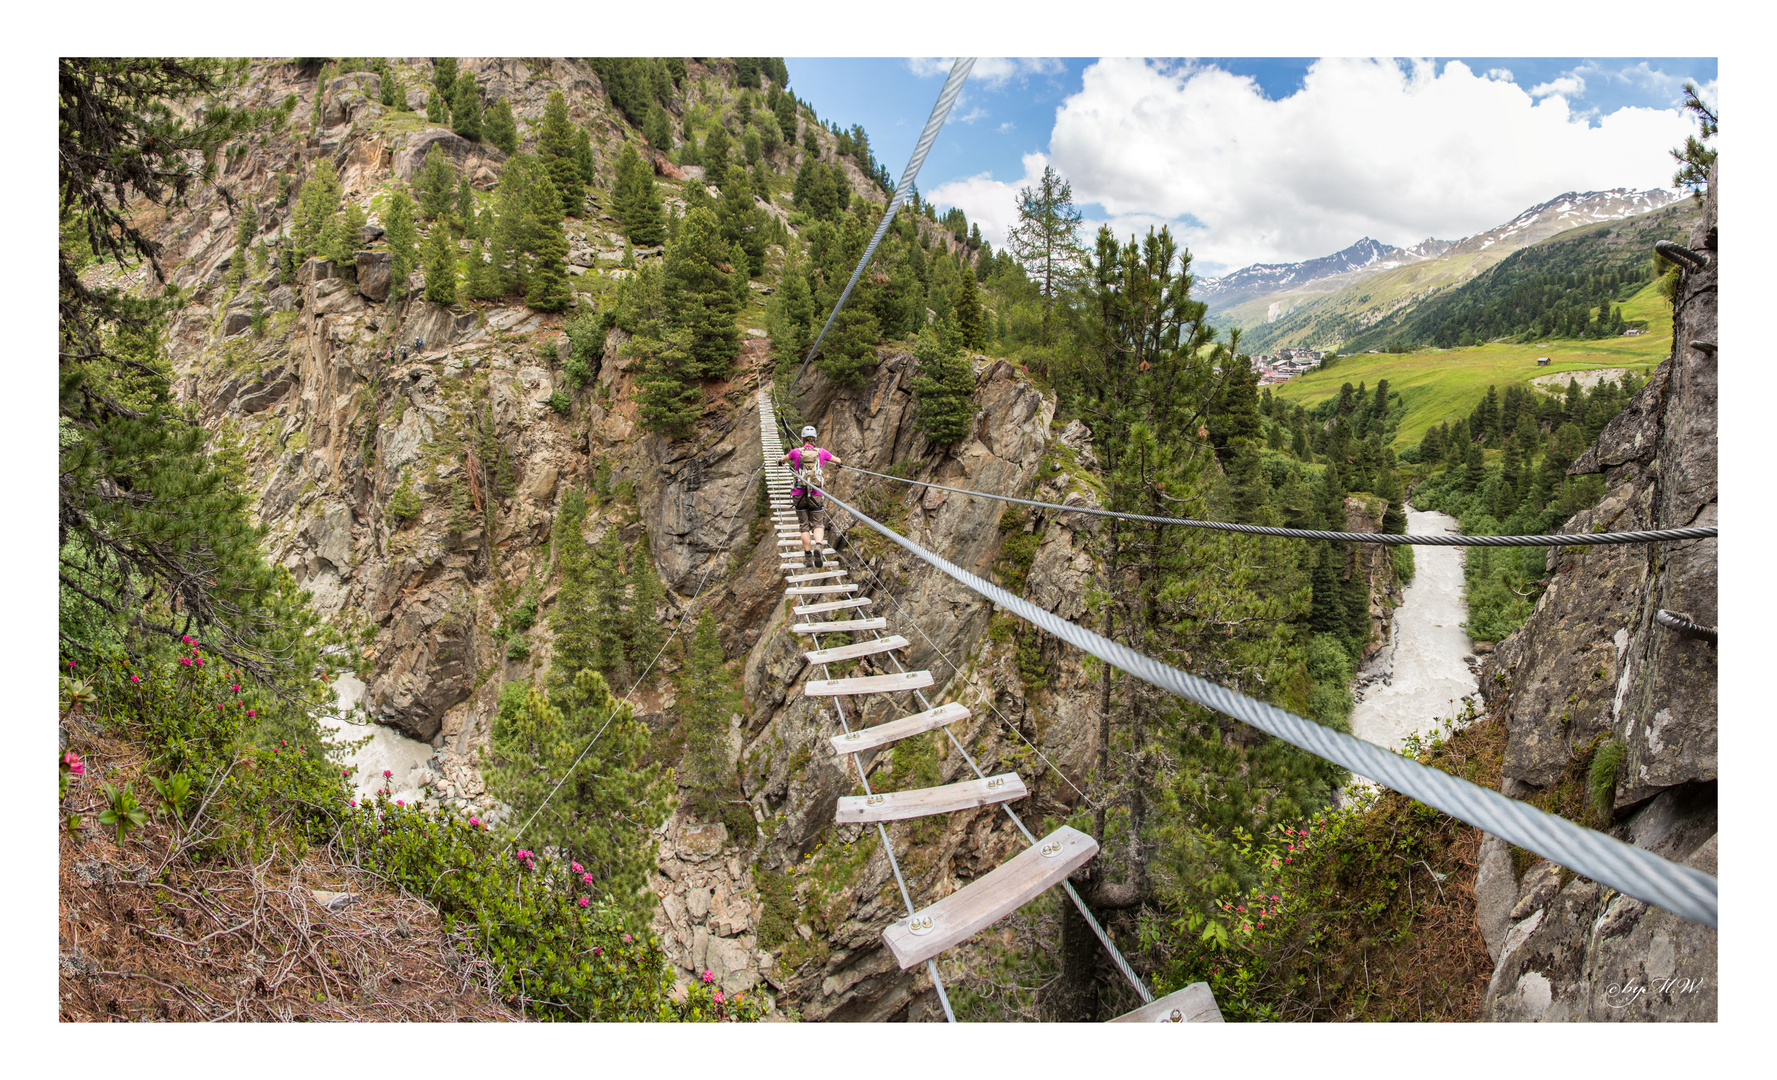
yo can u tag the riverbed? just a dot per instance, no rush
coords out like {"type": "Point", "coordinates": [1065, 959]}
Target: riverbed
{"type": "Point", "coordinates": [1424, 677]}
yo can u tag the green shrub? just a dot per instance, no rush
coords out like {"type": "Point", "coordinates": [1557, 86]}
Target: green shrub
{"type": "Point", "coordinates": [518, 647]}
{"type": "Point", "coordinates": [561, 403]}
{"type": "Point", "coordinates": [1601, 777]}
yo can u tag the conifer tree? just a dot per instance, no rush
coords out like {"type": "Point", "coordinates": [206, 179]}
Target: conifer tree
{"type": "Point", "coordinates": [670, 398]}
{"type": "Point", "coordinates": [790, 313]}
{"type": "Point", "coordinates": [465, 205]}
{"type": "Point", "coordinates": [742, 223]}
{"type": "Point", "coordinates": [501, 127]}
{"type": "Point", "coordinates": [465, 107]}
{"type": "Point", "coordinates": [437, 184]}
{"type": "Point", "coordinates": [944, 389]}
{"type": "Point", "coordinates": [642, 633]}
{"type": "Point", "coordinates": [707, 698]}
{"type": "Point", "coordinates": [971, 321]}
{"type": "Point", "coordinates": [548, 287]}
{"type": "Point", "coordinates": [715, 150]}
{"type": "Point", "coordinates": [583, 157]}
{"type": "Point", "coordinates": [555, 147]}
{"type": "Point", "coordinates": [658, 131]}
{"type": "Point", "coordinates": [700, 295]}
{"type": "Point", "coordinates": [1046, 241]}
{"type": "Point", "coordinates": [784, 111]}
{"type": "Point", "coordinates": [441, 267]}
{"type": "Point", "coordinates": [316, 207]}
{"type": "Point", "coordinates": [344, 234]}
{"type": "Point", "coordinates": [444, 85]}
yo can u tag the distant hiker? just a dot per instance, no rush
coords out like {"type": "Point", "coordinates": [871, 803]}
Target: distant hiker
{"type": "Point", "coordinates": [419, 344]}
{"type": "Point", "coordinates": [806, 461]}
{"type": "Point", "coordinates": [404, 354]}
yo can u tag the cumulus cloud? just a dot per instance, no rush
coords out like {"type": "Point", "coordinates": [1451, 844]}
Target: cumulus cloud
{"type": "Point", "coordinates": [1365, 147]}
{"type": "Point", "coordinates": [1005, 127]}
{"type": "Point", "coordinates": [977, 113]}
{"type": "Point", "coordinates": [990, 203]}
{"type": "Point", "coordinates": [991, 71]}
{"type": "Point", "coordinates": [1566, 86]}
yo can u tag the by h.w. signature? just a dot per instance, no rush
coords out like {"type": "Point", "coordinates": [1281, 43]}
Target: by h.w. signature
{"type": "Point", "coordinates": [1622, 995]}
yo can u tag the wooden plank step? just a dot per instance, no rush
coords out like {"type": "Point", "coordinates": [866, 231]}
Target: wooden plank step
{"type": "Point", "coordinates": [870, 684]}
{"type": "Point", "coordinates": [842, 626]}
{"type": "Point", "coordinates": [882, 734]}
{"type": "Point", "coordinates": [816, 576]}
{"type": "Point", "coordinates": [990, 898]}
{"type": "Point", "coordinates": [1195, 1004]}
{"type": "Point", "coordinates": [819, 590]}
{"type": "Point", "coordinates": [925, 802]}
{"type": "Point", "coordinates": [831, 605]}
{"type": "Point", "coordinates": [852, 652]}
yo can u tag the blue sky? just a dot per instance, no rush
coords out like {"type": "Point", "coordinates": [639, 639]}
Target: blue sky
{"type": "Point", "coordinates": [1272, 159]}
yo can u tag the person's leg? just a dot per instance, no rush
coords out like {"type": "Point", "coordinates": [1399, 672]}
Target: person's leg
{"type": "Point", "coordinates": [820, 526]}
{"type": "Point", "coordinates": [803, 520]}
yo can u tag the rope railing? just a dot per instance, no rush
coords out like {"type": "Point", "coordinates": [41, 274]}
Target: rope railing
{"type": "Point", "coordinates": [1633, 871]}
{"type": "Point", "coordinates": [1645, 536]}
{"type": "Point", "coordinates": [953, 86]}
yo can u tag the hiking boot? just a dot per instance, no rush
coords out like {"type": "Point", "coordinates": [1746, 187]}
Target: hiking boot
{"type": "Point", "coordinates": [816, 552]}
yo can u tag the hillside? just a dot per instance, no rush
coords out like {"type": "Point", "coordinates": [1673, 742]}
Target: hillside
{"type": "Point", "coordinates": [1436, 384]}
{"type": "Point", "coordinates": [1318, 318]}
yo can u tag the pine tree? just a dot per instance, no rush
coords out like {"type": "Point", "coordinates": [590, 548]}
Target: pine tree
{"type": "Point", "coordinates": [707, 698]}
{"type": "Point", "coordinates": [444, 85]}
{"type": "Point", "coordinates": [548, 288]}
{"type": "Point", "coordinates": [657, 130]}
{"type": "Point", "coordinates": [670, 398]}
{"type": "Point", "coordinates": [555, 147]}
{"type": "Point", "coordinates": [642, 632]}
{"type": "Point", "coordinates": [344, 234]}
{"type": "Point", "coordinates": [790, 313]}
{"type": "Point", "coordinates": [465, 108]}
{"type": "Point", "coordinates": [502, 127]}
{"type": "Point", "coordinates": [645, 224]}
{"type": "Point", "coordinates": [583, 158]}
{"type": "Point", "coordinates": [715, 150]}
{"type": "Point", "coordinates": [784, 110]}
{"type": "Point", "coordinates": [441, 267]}
{"type": "Point", "coordinates": [316, 206]}
{"type": "Point", "coordinates": [742, 223]}
{"type": "Point", "coordinates": [944, 390]}
{"type": "Point", "coordinates": [971, 321]}
{"type": "Point", "coordinates": [437, 184]}
{"type": "Point", "coordinates": [1045, 240]}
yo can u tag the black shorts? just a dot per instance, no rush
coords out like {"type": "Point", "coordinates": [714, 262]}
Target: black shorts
{"type": "Point", "coordinates": [812, 517]}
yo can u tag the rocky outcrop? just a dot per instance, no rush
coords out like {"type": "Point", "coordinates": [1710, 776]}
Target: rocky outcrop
{"type": "Point", "coordinates": [1590, 666]}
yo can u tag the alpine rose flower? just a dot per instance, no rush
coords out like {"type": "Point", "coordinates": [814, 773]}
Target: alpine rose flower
{"type": "Point", "coordinates": [576, 867]}
{"type": "Point", "coordinates": [718, 997]}
{"type": "Point", "coordinates": [708, 977]}
{"type": "Point", "coordinates": [474, 821]}
{"type": "Point", "coordinates": [584, 900]}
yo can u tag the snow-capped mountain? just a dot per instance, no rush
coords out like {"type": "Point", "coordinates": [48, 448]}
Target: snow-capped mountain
{"type": "Point", "coordinates": [1261, 278]}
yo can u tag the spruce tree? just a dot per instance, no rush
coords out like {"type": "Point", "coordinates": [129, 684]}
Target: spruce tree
{"type": "Point", "coordinates": [700, 295]}
{"type": "Point", "coordinates": [501, 127]}
{"type": "Point", "coordinates": [583, 157]}
{"type": "Point", "coordinates": [464, 209]}
{"type": "Point", "coordinates": [555, 147]}
{"type": "Point", "coordinates": [971, 321]}
{"type": "Point", "coordinates": [444, 85]}
{"type": "Point", "coordinates": [784, 111]}
{"type": "Point", "coordinates": [465, 108]}
{"type": "Point", "coordinates": [657, 130]}
{"type": "Point", "coordinates": [441, 267]}
{"type": "Point", "coordinates": [316, 207]}
{"type": "Point", "coordinates": [790, 313]}
{"type": "Point", "coordinates": [437, 184]}
{"type": "Point", "coordinates": [707, 698]}
{"type": "Point", "coordinates": [715, 150]}
{"type": "Point", "coordinates": [545, 240]}
{"type": "Point", "coordinates": [344, 235]}
{"type": "Point", "coordinates": [944, 389]}
{"type": "Point", "coordinates": [669, 397]}
{"type": "Point", "coordinates": [743, 223]}
{"type": "Point", "coordinates": [642, 630]}
{"type": "Point", "coordinates": [1045, 240]}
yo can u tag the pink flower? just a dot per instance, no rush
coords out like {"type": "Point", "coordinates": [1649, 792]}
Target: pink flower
{"type": "Point", "coordinates": [250, 712]}
{"type": "Point", "coordinates": [576, 867]}
{"type": "Point", "coordinates": [236, 688]}
{"type": "Point", "coordinates": [75, 765]}
{"type": "Point", "coordinates": [596, 951]}
{"type": "Point", "coordinates": [718, 997]}
{"type": "Point", "coordinates": [474, 821]}
{"type": "Point", "coordinates": [584, 900]}
{"type": "Point", "coordinates": [399, 802]}
{"type": "Point", "coordinates": [281, 742]}
{"type": "Point", "coordinates": [627, 939]}
{"type": "Point", "coordinates": [353, 803]}
{"type": "Point", "coordinates": [1289, 860]}
{"type": "Point", "coordinates": [186, 638]}
{"type": "Point", "coordinates": [707, 976]}
{"type": "Point", "coordinates": [70, 663]}
{"type": "Point", "coordinates": [135, 678]}
{"type": "Point", "coordinates": [186, 660]}
{"type": "Point", "coordinates": [587, 878]}
{"type": "Point", "coordinates": [345, 772]}
{"type": "Point", "coordinates": [199, 662]}
{"type": "Point", "coordinates": [387, 772]}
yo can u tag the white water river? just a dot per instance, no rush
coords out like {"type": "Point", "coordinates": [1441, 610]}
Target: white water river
{"type": "Point", "coordinates": [1424, 677]}
{"type": "Point", "coordinates": [387, 748]}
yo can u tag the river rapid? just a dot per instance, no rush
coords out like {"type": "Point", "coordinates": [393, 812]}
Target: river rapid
{"type": "Point", "coordinates": [387, 749]}
{"type": "Point", "coordinates": [1424, 677]}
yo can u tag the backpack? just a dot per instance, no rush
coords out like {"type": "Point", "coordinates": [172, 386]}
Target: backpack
{"type": "Point", "coordinates": [810, 474]}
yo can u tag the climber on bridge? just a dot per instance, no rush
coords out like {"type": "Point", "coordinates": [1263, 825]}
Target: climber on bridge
{"type": "Point", "coordinates": [805, 495]}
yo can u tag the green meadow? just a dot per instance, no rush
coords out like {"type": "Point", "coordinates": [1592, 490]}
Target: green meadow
{"type": "Point", "coordinates": [1440, 384]}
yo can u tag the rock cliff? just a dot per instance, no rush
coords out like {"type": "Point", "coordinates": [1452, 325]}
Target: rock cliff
{"type": "Point", "coordinates": [1591, 670]}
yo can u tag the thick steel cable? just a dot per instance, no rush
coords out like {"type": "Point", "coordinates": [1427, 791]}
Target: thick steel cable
{"type": "Point", "coordinates": [1630, 870]}
{"type": "Point", "coordinates": [953, 86]}
{"type": "Point", "coordinates": [1647, 536]}
{"type": "Point", "coordinates": [1672, 620]}
{"type": "Point", "coordinates": [689, 604]}
{"type": "Point", "coordinates": [1104, 939]}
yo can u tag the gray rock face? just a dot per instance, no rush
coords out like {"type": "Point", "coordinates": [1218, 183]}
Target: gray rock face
{"type": "Point", "coordinates": [481, 161]}
{"type": "Point", "coordinates": [1591, 662]}
{"type": "Point", "coordinates": [374, 268]}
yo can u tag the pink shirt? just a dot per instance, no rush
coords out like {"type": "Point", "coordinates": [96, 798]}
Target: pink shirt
{"type": "Point", "coordinates": [795, 456]}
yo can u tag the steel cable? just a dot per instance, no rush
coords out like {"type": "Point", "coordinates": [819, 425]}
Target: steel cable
{"type": "Point", "coordinates": [953, 86]}
{"type": "Point", "coordinates": [1673, 620]}
{"type": "Point", "coordinates": [1630, 870]}
{"type": "Point", "coordinates": [1647, 536]}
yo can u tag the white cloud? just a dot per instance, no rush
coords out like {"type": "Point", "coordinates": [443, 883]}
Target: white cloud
{"type": "Point", "coordinates": [992, 71]}
{"type": "Point", "coordinates": [1566, 86]}
{"type": "Point", "coordinates": [1396, 152]}
{"type": "Point", "coordinates": [990, 203]}
{"type": "Point", "coordinates": [1503, 74]}
{"type": "Point", "coordinates": [1005, 127]}
{"type": "Point", "coordinates": [977, 113]}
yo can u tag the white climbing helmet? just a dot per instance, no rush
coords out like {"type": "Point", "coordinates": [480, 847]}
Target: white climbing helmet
{"type": "Point", "coordinates": [808, 432]}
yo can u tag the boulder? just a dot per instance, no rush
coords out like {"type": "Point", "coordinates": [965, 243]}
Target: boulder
{"type": "Point", "coordinates": [374, 269]}
{"type": "Point", "coordinates": [235, 322]}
